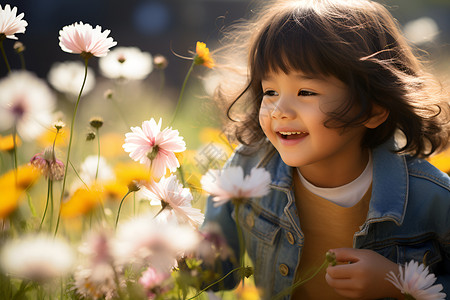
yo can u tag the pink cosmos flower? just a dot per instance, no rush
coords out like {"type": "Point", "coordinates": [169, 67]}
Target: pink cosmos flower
{"type": "Point", "coordinates": [175, 200]}
{"type": "Point", "coordinates": [83, 39]}
{"type": "Point", "coordinates": [415, 282]}
{"type": "Point", "coordinates": [10, 24]}
{"type": "Point", "coordinates": [152, 279]}
{"type": "Point", "coordinates": [230, 184]}
{"type": "Point", "coordinates": [154, 148]}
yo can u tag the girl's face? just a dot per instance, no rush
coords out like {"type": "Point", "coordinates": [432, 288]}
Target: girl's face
{"type": "Point", "coordinates": [292, 116]}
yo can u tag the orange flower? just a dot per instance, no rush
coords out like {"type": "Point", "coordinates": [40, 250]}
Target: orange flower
{"type": "Point", "coordinates": [7, 143]}
{"type": "Point", "coordinates": [203, 56]}
{"type": "Point", "coordinates": [131, 171]}
{"type": "Point", "coordinates": [82, 202]}
{"type": "Point", "coordinates": [12, 192]}
{"type": "Point", "coordinates": [248, 292]}
{"type": "Point", "coordinates": [48, 137]}
{"type": "Point", "coordinates": [441, 161]}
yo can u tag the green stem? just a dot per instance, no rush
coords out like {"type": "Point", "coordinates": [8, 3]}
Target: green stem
{"type": "Point", "coordinates": [134, 204]}
{"type": "Point", "coordinates": [241, 239]}
{"type": "Point", "coordinates": [299, 283]}
{"type": "Point", "coordinates": [46, 204]}
{"type": "Point", "coordinates": [120, 206]}
{"type": "Point", "coordinates": [22, 61]}
{"type": "Point", "coordinates": [214, 283]}
{"type": "Point", "coordinates": [98, 154]}
{"type": "Point", "coordinates": [163, 81]}
{"type": "Point", "coordinates": [70, 140]}
{"type": "Point", "coordinates": [181, 172]}
{"type": "Point", "coordinates": [15, 151]}
{"type": "Point", "coordinates": [4, 55]}
{"type": "Point", "coordinates": [182, 92]}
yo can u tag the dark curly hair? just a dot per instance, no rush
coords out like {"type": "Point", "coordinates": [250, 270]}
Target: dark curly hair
{"type": "Point", "coordinates": [356, 41]}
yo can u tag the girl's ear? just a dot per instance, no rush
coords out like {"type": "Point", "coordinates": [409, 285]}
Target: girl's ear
{"type": "Point", "coordinates": [379, 115]}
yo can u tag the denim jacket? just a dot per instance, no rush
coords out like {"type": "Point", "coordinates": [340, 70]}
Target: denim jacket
{"type": "Point", "coordinates": [408, 218]}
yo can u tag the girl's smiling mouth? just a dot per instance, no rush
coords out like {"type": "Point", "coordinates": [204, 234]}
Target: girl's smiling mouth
{"type": "Point", "coordinates": [291, 135]}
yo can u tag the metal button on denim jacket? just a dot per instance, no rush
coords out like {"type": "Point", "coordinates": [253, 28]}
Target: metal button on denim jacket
{"type": "Point", "coordinates": [408, 218]}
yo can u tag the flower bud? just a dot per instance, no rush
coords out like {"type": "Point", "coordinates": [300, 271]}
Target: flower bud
{"type": "Point", "coordinates": [108, 94]}
{"type": "Point", "coordinates": [331, 257]}
{"type": "Point", "coordinates": [160, 62]}
{"type": "Point", "coordinates": [96, 122]}
{"type": "Point", "coordinates": [90, 136]}
{"type": "Point", "coordinates": [59, 125]}
{"type": "Point", "coordinates": [134, 186]}
{"type": "Point", "coordinates": [19, 47]}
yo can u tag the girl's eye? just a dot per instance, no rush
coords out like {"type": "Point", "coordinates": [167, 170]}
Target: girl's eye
{"type": "Point", "coordinates": [306, 93]}
{"type": "Point", "coordinates": [270, 93]}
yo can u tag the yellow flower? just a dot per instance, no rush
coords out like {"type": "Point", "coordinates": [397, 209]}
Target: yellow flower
{"type": "Point", "coordinates": [213, 135]}
{"type": "Point", "coordinates": [111, 144]}
{"type": "Point", "coordinates": [248, 292]}
{"type": "Point", "coordinates": [441, 161]}
{"type": "Point", "coordinates": [11, 193]}
{"type": "Point", "coordinates": [114, 190]}
{"type": "Point", "coordinates": [203, 56]}
{"type": "Point", "coordinates": [131, 171]}
{"type": "Point", "coordinates": [48, 137]}
{"type": "Point", "coordinates": [82, 202]}
{"type": "Point", "coordinates": [9, 200]}
{"type": "Point", "coordinates": [7, 143]}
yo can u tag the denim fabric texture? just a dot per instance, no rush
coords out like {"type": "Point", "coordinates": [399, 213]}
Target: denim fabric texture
{"type": "Point", "coordinates": [408, 218]}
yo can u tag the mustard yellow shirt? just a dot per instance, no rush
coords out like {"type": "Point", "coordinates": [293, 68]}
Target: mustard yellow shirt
{"type": "Point", "coordinates": [325, 226]}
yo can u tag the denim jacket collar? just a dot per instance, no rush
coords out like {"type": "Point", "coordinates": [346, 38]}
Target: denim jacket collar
{"type": "Point", "coordinates": [389, 186]}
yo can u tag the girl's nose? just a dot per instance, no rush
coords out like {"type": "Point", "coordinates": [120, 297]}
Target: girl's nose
{"type": "Point", "coordinates": [281, 110]}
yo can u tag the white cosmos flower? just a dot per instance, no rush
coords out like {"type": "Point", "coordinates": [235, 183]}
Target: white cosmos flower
{"type": "Point", "coordinates": [83, 39]}
{"type": "Point", "coordinates": [27, 101]}
{"type": "Point", "coordinates": [88, 171]}
{"type": "Point", "coordinates": [154, 148]}
{"type": "Point", "coordinates": [126, 63]}
{"type": "Point", "coordinates": [10, 23]}
{"type": "Point", "coordinates": [67, 77]}
{"type": "Point", "coordinates": [230, 183]}
{"type": "Point", "coordinates": [175, 200]}
{"type": "Point", "coordinates": [416, 281]}
{"type": "Point", "coordinates": [143, 241]}
{"type": "Point", "coordinates": [38, 258]}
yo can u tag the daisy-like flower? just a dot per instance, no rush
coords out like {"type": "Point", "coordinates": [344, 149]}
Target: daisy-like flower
{"type": "Point", "coordinates": [95, 276]}
{"type": "Point", "coordinates": [174, 199]}
{"type": "Point", "coordinates": [88, 170]}
{"type": "Point", "coordinates": [26, 101]}
{"type": "Point", "coordinates": [126, 63]}
{"type": "Point", "coordinates": [50, 258]}
{"type": "Point", "coordinates": [67, 77]}
{"type": "Point", "coordinates": [154, 148]}
{"type": "Point", "coordinates": [95, 283]}
{"type": "Point", "coordinates": [83, 39]}
{"type": "Point", "coordinates": [230, 184]}
{"type": "Point", "coordinates": [11, 23]}
{"type": "Point", "coordinates": [202, 56]}
{"type": "Point", "coordinates": [143, 241]}
{"type": "Point", "coordinates": [415, 282]}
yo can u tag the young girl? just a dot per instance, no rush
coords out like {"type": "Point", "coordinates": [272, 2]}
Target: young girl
{"type": "Point", "coordinates": [341, 113]}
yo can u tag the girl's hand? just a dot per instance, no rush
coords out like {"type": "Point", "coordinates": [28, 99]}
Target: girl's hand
{"type": "Point", "coordinates": [361, 274]}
